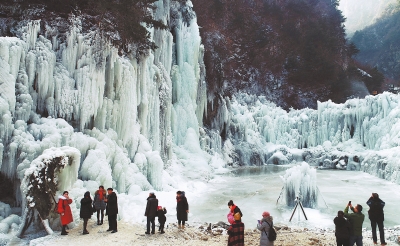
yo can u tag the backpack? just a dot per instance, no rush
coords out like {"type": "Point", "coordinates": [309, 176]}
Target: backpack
{"type": "Point", "coordinates": [271, 233]}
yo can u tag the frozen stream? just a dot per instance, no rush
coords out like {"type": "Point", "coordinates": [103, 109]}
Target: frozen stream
{"type": "Point", "coordinates": [257, 189]}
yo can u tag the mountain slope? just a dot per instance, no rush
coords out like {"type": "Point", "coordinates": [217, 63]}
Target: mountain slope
{"type": "Point", "coordinates": [379, 43]}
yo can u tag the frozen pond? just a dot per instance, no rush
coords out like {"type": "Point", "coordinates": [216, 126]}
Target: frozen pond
{"type": "Point", "coordinates": [255, 190]}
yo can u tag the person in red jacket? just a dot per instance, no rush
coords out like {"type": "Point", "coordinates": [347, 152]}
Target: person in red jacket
{"type": "Point", "coordinates": [65, 211]}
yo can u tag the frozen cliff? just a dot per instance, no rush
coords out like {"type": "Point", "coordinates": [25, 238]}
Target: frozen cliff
{"type": "Point", "coordinates": [123, 114]}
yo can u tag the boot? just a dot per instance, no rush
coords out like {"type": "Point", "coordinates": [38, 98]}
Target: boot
{"type": "Point", "coordinates": [162, 232]}
{"type": "Point", "coordinates": [63, 231]}
{"type": "Point", "coordinates": [85, 232]}
{"type": "Point", "coordinates": [179, 226]}
{"type": "Point", "coordinates": [183, 227]}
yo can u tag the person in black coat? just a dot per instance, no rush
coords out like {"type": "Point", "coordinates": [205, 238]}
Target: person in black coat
{"type": "Point", "coordinates": [151, 212]}
{"type": "Point", "coordinates": [182, 209]}
{"type": "Point", "coordinates": [112, 210]}
{"type": "Point", "coordinates": [376, 217]}
{"type": "Point", "coordinates": [161, 218]}
{"type": "Point", "coordinates": [342, 229]}
{"type": "Point", "coordinates": [86, 210]}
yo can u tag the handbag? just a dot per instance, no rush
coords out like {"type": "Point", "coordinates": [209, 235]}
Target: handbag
{"type": "Point", "coordinates": [230, 218]}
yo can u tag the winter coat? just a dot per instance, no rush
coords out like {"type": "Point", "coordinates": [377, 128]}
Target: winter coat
{"type": "Point", "coordinates": [342, 228]}
{"type": "Point", "coordinates": [86, 210]}
{"type": "Point", "coordinates": [236, 234]}
{"type": "Point", "coordinates": [112, 204]}
{"type": "Point", "coordinates": [264, 228]}
{"type": "Point", "coordinates": [375, 212]}
{"type": "Point", "coordinates": [356, 221]}
{"type": "Point", "coordinates": [151, 207]}
{"type": "Point", "coordinates": [99, 204]}
{"type": "Point", "coordinates": [65, 210]}
{"type": "Point", "coordinates": [161, 215]}
{"type": "Point", "coordinates": [181, 207]}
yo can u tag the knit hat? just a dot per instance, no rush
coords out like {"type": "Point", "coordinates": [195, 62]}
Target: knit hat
{"type": "Point", "coordinates": [237, 216]}
{"type": "Point", "coordinates": [265, 214]}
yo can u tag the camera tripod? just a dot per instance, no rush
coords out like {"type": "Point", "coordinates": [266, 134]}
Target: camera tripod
{"type": "Point", "coordinates": [298, 202]}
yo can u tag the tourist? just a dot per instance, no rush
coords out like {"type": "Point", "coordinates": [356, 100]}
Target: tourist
{"type": "Point", "coordinates": [151, 212]}
{"type": "Point", "coordinates": [161, 218]}
{"type": "Point", "coordinates": [86, 210]}
{"type": "Point", "coordinates": [182, 209]}
{"type": "Point", "coordinates": [99, 203]}
{"type": "Point", "coordinates": [356, 220]}
{"type": "Point", "coordinates": [65, 211]}
{"type": "Point", "coordinates": [236, 232]}
{"type": "Point", "coordinates": [342, 229]}
{"type": "Point", "coordinates": [112, 210]}
{"type": "Point", "coordinates": [376, 216]}
{"type": "Point", "coordinates": [234, 209]}
{"type": "Point", "coordinates": [263, 226]}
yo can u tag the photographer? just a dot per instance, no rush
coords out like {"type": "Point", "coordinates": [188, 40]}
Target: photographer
{"type": "Point", "coordinates": [342, 229]}
{"type": "Point", "coordinates": [356, 220]}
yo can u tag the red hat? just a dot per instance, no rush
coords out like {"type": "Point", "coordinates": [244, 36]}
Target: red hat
{"type": "Point", "coordinates": [265, 214]}
{"type": "Point", "coordinates": [159, 208]}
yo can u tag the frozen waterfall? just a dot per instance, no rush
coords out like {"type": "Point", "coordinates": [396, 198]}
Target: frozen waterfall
{"type": "Point", "coordinates": [123, 115]}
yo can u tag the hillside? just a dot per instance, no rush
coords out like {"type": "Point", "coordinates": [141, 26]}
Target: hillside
{"type": "Point", "coordinates": [379, 44]}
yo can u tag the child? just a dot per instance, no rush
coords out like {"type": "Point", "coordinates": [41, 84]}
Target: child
{"type": "Point", "coordinates": [161, 218]}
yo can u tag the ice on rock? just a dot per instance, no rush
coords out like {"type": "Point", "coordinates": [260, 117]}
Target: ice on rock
{"type": "Point", "coordinates": [353, 130]}
{"type": "Point", "coordinates": [5, 210]}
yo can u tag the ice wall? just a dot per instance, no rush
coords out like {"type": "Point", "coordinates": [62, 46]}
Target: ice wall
{"type": "Point", "coordinates": [123, 115]}
{"type": "Point", "coordinates": [358, 126]}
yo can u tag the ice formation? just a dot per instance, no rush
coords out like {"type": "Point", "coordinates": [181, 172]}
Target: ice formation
{"type": "Point", "coordinates": [130, 119]}
{"type": "Point", "coordinates": [361, 134]}
{"type": "Point", "coordinates": [122, 114]}
{"type": "Point", "coordinates": [301, 182]}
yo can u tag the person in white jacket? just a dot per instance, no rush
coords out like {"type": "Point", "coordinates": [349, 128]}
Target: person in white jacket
{"type": "Point", "coordinates": [263, 225]}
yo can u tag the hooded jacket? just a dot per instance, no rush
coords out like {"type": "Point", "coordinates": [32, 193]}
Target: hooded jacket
{"type": "Point", "coordinates": [264, 228]}
{"type": "Point", "coordinates": [65, 210]}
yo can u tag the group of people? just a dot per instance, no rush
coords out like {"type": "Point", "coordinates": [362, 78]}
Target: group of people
{"type": "Point", "coordinates": [101, 202]}
{"type": "Point", "coordinates": [108, 201]}
{"type": "Point", "coordinates": [236, 229]}
{"type": "Point", "coordinates": [153, 210]}
{"type": "Point", "coordinates": [348, 226]}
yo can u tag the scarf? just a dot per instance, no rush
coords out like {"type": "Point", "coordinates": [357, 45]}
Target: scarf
{"type": "Point", "coordinates": [179, 199]}
{"type": "Point", "coordinates": [233, 209]}
{"type": "Point", "coordinates": [101, 195]}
